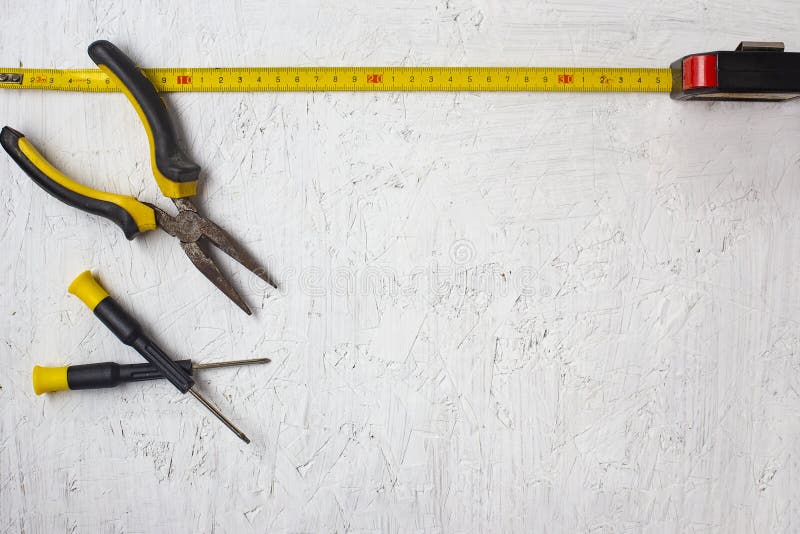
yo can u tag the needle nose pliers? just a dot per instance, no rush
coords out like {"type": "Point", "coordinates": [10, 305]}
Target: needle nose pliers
{"type": "Point", "coordinates": [175, 173]}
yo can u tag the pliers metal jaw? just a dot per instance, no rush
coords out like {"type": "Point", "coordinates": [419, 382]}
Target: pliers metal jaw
{"type": "Point", "coordinates": [175, 173]}
{"type": "Point", "coordinates": [196, 233]}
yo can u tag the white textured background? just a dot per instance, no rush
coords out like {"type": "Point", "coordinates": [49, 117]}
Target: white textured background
{"type": "Point", "coordinates": [498, 312]}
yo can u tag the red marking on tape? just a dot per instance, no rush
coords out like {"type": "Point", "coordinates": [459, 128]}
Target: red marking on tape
{"type": "Point", "coordinates": [700, 71]}
{"type": "Point", "coordinates": [565, 78]}
{"type": "Point", "coordinates": [184, 80]}
{"type": "Point", "coordinates": [374, 78]}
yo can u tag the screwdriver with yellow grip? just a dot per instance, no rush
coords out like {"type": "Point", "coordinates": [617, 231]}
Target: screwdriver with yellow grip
{"type": "Point", "coordinates": [130, 332]}
{"type": "Point", "coordinates": [112, 374]}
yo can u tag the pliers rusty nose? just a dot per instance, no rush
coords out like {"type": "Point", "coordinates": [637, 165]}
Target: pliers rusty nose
{"type": "Point", "coordinates": [175, 173]}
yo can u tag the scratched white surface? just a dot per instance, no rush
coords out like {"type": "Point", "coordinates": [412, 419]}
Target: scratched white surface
{"type": "Point", "coordinates": [498, 312]}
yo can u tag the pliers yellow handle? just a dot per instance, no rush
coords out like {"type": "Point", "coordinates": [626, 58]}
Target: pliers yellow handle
{"type": "Point", "coordinates": [175, 173]}
{"type": "Point", "coordinates": [127, 212]}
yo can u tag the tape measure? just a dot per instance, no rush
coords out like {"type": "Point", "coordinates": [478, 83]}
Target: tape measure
{"type": "Point", "coordinates": [275, 79]}
{"type": "Point", "coordinates": [759, 71]}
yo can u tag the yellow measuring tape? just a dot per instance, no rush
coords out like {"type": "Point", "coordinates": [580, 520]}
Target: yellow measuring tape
{"type": "Point", "coordinates": [275, 79]}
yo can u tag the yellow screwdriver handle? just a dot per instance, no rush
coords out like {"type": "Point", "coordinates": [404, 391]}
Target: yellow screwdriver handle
{"type": "Point", "coordinates": [88, 289]}
{"type": "Point", "coordinates": [49, 379]}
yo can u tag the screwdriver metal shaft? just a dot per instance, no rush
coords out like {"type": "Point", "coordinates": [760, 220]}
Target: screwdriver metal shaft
{"type": "Point", "coordinates": [230, 363]}
{"type": "Point", "coordinates": [218, 415]}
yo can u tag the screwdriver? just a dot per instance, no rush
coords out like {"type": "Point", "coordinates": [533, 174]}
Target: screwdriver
{"type": "Point", "coordinates": [112, 374]}
{"type": "Point", "coordinates": [130, 332]}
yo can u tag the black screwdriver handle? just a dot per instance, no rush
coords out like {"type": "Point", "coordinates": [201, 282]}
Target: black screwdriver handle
{"type": "Point", "coordinates": [111, 374]}
{"type": "Point", "coordinates": [175, 172]}
{"type": "Point", "coordinates": [95, 375]}
{"type": "Point", "coordinates": [128, 329]}
{"type": "Point", "coordinates": [138, 372]}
